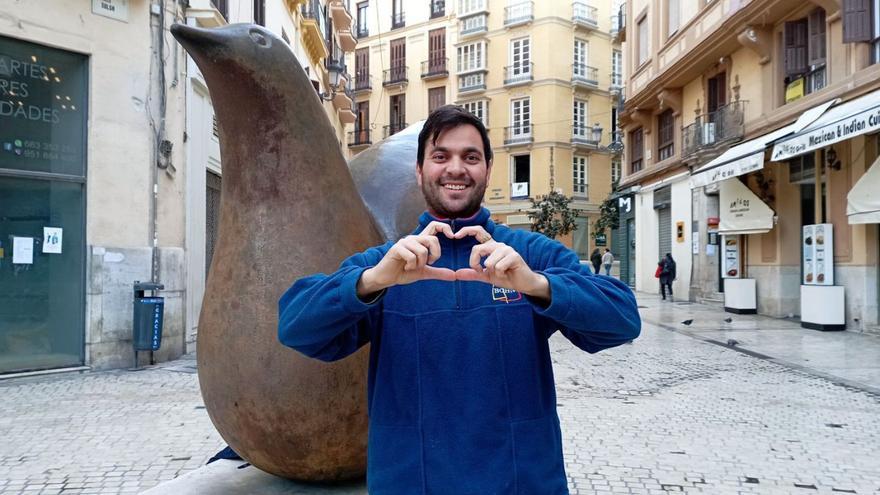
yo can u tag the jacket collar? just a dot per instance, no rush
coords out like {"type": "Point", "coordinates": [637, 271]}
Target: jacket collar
{"type": "Point", "coordinates": [481, 218]}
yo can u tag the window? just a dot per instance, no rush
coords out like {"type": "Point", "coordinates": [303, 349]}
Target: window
{"type": "Point", "coordinates": [861, 23]}
{"type": "Point", "coordinates": [521, 117]}
{"type": "Point", "coordinates": [520, 175]}
{"type": "Point", "coordinates": [467, 6]}
{"type": "Point", "coordinates": [438, 8]}
{"type": "Point", "coordinates": [804, 49]}
{"type": "Point", "coordinates": [436, 98]}
{"type": "Point", "coordinates": [260, 12]}
{"type": "Point", "coordinates": [520, 57]}
{"type": "Point", "coordinates": [666, 135]}
{"type": "Point", "coordinates": [616, 68]}
{"type": "Point", "coordinates": [362, 123]}
{"type": "Point", "coordinates": [673, 18]}
{"type": "Point", "coordinates": [579, 119]}
{"type": "Point", "coordinates": [579, 176]}
{"type": "Point", "coordinates": [637, 149]}
{"type": "Point", "coordinates": [643, 40]}
{"type": "Point", "coordinates": [580, 238]}
{"type": "Point", "coordinates": [362, 68]}
{"type": "Point", "coordinates": [362, 31]}
{"type": "Point", "coordinates": [480, 109]}
{"type": "Point", "coordinates": [398, 59]}
{"type": "Point", "coordinates": [802, 169]}
{"type": "Point", "coordinates": [397, 18]}
{"type": "Point", "coordinates": [471, 57]}
{"type": "Point", "coordinates": [397, 117]}
{"type": "Point", "coordinates": [580, 58]}
{"type": "Point", "coordinates": [437, 50]}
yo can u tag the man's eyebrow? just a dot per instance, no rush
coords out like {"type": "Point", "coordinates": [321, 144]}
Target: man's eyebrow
{"type": "Point", "coordinates": [469, 149]}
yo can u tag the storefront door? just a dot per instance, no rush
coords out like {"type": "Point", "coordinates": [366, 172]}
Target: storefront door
{"type": "Point", "coordinates": [43, 119]}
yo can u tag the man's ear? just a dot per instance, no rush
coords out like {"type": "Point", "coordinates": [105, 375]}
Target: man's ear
{"type": "Point", "coordinates": [488, 170]}
{"type": "Point", "coordinates": [418, 174]}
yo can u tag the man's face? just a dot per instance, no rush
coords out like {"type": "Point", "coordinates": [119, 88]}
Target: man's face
{"type": "Point", "coordinates": [454, 173]}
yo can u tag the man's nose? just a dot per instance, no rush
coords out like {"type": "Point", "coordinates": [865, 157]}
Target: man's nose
{"type": "Point", "coordinates": [455, 166]}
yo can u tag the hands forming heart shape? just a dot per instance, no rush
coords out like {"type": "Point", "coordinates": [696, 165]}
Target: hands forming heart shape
{"type": "Point", "coordinates": [410, 259]}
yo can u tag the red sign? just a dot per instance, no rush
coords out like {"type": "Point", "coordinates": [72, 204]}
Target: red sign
{"type": "Point", "coordinates": [713, 220]}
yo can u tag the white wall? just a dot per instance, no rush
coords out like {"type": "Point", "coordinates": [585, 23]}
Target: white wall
{"type": "Point", "coordinates": [647, 233]}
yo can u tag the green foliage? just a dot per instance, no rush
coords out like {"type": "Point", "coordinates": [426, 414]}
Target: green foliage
{"type": "Point", "coordinates": [552, 216]}
{"type": "Point", "coordinates": [609, 217]}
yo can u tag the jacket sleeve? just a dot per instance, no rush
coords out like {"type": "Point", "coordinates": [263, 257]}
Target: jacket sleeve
{"type": "Point", "coordinates": [594, 312]}
{"type": "Point", "coordinates": [321, 315]}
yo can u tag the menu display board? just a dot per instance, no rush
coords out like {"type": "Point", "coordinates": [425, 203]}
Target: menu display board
{"type": "Point", "coordinates": [818, 254]}
{"type": "Point", "coordinates": [730, 246]}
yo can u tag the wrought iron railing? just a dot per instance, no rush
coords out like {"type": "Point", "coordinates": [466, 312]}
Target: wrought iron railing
{"type": "Point", "coordinates": [709, 130]}
{"type": "Point", "coordinates": [395, 75]}
{"type": "Point", "coordinates": [519, 134]}
{"type": "Point", "coordinates": [435, 67]}
{"type": "Point", "coordinates": [520, 73]}
{"type": "Point", "coordinates": [585, 135]}
{"type": "Point", "coordinates": [362, 80]}
{"type": "Point", "coordinates": [359, 137]}
{"type": "Point", "coordinates": [392, 129]}
{"type": "Point", "coordinates": [582, 73]}
{"type": "Point", "coordinates": [584, 13]}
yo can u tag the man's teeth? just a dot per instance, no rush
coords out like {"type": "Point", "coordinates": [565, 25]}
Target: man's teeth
{"type": "Point", "coordinates": [454, 187]}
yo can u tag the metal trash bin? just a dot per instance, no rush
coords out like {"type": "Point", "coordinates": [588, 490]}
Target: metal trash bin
{"type": "Point", "coordinates": [148, 317]}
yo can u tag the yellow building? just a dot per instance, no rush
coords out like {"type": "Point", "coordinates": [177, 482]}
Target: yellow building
{"type": "Point", "coordinates": [543, 76]}
{"type": "Point", "coordinates": [750, 128]}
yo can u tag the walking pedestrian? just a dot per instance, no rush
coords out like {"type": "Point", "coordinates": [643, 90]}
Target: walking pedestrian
{"type": "Point", "coordinates": [596, 260]}
{"type": "Point", "coordinates": [667, 275]}
{"type": "Point", "coordinates": [607, 261]}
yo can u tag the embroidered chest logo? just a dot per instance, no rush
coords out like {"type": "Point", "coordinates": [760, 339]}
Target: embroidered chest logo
{"type": "Point", "coordinates": [501, 294]}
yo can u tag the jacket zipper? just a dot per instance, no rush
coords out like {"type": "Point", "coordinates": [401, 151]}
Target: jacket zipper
{"type": "Point", "coordinates": [455, 267]}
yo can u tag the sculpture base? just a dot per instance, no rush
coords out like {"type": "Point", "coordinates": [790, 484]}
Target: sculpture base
{"type": "Point", "coordinates": [230, 478]}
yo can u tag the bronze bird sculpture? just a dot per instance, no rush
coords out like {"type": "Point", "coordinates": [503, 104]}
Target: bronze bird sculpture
{"type": "Point", "coordinates": [289, 207]}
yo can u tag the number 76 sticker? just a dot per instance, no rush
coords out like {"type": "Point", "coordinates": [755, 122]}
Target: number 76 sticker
{"type": "Point", "coordinates": [52, 239]}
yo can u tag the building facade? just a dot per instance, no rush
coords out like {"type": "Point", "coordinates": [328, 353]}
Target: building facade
{"type": "Point", "coordinates": [759, 117]}
{"type": "Point", "coordinates": [543, 76]}
{"type": "Point", "coordinates": [110, 168]}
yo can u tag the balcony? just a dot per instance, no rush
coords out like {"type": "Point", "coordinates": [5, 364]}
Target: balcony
{"type": "Point", "coordinates": [398, 20]}
{"type": "Point", "coordinates": [519, 190]}
{"type": "Point", "coordinates": [435, 68]}
{"type": "Point", "coordinates": [313, 29]}
{"type": "Point", "coordinates": [584, 76]}
{"type": "Point", "coordinates": [359, 137]}
{"type": "Point", "coordinates": [438, 8]}
{"type": "Point", "coordinates": [585, 15]}
{"type": "Point", "coordinates": [340, 15]}
{"type": "Point", "coordinates": [347, 115]}
{"type": "Point", "coordinates": [586, 137]}
{"type": "Point", "coordinates": [395, 76]}
{"type": "Point", "coordinates": [616, 86]}
{"type": "Point", "coordinates": [515, 75]}
{"type": "Point", "coordinates": [615, 26]}
{"type": "Point", "coordinates": [470, 7]}
{"type": "Point", "coordinates": [392, 129]}
{"type": "Point", "coordinates": [618, 30]}
{"type": "Point", "coordinates": [471, 83]}
{"type": "Point", "coordinates": [520, 13]}
{"type": "Point", "coordinates": [708, 132]}
{"type": "Point", "coordinates": [518, 134]}
{"type": "Point", "coordinates": [362, 81]}
{"type": "Point", "coordinates": [473, 25]}
{"type": "Point", "coordinates": [342, 100]}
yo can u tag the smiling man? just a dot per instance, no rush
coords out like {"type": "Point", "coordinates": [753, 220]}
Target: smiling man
{"type": "Point", "coordinates": [458, 315]}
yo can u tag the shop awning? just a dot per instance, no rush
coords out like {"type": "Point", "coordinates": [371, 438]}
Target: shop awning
{"type": "Point", "coordinates": [742, 212]}
{"type": "Point", "coordinates": [845, 121]}
{"type": "Point", "coordinates": [863, 200]}
{"type": "Point", "coordinates": [749, 156]}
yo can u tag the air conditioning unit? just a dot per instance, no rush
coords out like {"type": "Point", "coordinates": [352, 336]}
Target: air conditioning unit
{"type": "Point", "coordinates": [519, 190]}
{"type": "Point", "coordinates": [709, 133]}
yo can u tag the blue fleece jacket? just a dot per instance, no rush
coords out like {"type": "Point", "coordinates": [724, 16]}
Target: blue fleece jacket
{"type": "Point", "coordinates": [461, 392]}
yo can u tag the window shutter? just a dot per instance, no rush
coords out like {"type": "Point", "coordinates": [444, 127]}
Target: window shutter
{"type": "Point", "coordinates": [857, 17]}
{"type": "Point", "coordinates": [795, 38]}
{"type": "Point", "coordinates": [817, 37]}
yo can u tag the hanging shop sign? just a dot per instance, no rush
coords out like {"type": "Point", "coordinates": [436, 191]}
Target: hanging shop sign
{"type": "Point", "coordinates": [818, 254]}
{"type": "Point", "coordinates": [731, 257]}
{"type": "Point", "coordinates": [42, 108]}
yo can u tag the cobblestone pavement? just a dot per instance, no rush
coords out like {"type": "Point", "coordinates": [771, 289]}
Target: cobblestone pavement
{"type": "Point", "coordinates": [667, 414]}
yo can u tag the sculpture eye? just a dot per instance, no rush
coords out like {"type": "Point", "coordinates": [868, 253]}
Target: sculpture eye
{"type": "Point", "coordinates": [259, 38]}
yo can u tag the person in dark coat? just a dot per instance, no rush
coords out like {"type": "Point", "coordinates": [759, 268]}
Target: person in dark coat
{"type": "Point", "coordinates": [596, 260]}
{"type": "Point", "coordinates": [667, 275]}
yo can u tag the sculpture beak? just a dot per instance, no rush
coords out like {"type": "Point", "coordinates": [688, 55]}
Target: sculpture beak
{"type": "Point", "coordinates": [195, 40]}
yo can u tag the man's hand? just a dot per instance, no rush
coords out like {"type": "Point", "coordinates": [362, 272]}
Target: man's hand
{"type": "Point", "coordinates": [407, 261]}
{"type": "Point", "coordinates": [504, 267]}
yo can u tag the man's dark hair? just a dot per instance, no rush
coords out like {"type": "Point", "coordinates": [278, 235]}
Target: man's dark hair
{"type": "Point", "coordinates": [449, 117]}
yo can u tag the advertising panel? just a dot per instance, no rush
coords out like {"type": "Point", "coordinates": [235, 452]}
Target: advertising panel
{"type": "Point", "coordinates": [818, 254]}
